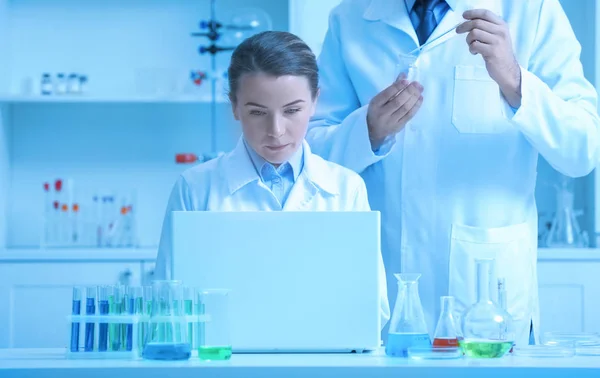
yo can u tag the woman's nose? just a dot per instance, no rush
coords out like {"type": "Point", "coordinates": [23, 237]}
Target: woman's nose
{"type": "Point", "coordinates": [276, 128]}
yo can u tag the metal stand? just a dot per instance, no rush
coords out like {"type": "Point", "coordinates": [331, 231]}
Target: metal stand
{"type": "Point", "coordinates": [213, 33]}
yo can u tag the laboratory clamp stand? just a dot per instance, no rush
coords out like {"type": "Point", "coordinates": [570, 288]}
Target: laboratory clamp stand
{"type": "Point", "coordinates": [244, 23]}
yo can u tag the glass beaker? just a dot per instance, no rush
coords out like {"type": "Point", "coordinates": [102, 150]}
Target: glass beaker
{"type": "Point", "coordinates": [446, 334]}
{"type": "Point", "coordinates": [565, 231]}
{"type": "Point", "coordinates": [487, 328]}
{"type": "Point", "coordinates": [407, 65]}
{"type": "Point", "coordinates": [167, 337]}
{"type": "Point", "coordinates": [214, 339]}
{"type": "Point", "coordinates": [407, 326]}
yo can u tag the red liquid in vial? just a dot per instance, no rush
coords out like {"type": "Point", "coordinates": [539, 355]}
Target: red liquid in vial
{"type": "Point", "coordinates": [442, 342]}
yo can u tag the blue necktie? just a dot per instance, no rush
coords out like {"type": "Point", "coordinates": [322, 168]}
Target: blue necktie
{"type": "Point", "coordinates": [428, 23]}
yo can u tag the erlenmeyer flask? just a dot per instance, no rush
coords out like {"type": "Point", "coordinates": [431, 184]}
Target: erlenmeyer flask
{"type": "Point", "coordinates": [167, 337]}
{"type": "Point", "coordinates": [487, 328]}
{"type": "Point", "coordinates": [407, 326]}
{"type": "Point", "coordinates": [565, 231]}
{"type": "Point", "coordinates": [446, 334]}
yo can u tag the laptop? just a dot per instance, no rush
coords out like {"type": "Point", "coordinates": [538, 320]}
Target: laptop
{"type": "Point", "coordinates": [299, 281]}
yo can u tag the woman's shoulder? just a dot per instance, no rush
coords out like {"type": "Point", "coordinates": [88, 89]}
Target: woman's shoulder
{"type": "Point", "coordinates": [199, 175]}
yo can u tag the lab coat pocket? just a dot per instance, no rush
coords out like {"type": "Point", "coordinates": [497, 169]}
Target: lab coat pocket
{"type": "Point", "coordinates": [512, 250]}
{"type": "Point", "coordinates": [477, 102]}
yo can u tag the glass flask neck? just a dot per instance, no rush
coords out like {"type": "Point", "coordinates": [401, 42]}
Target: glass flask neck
{"type": "Point", "coordinates": [447, 305]}
{"type": "Point", "coordinates": [483, 280]}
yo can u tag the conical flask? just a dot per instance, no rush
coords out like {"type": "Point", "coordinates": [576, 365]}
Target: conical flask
{"type": "Point", "coordinates": [487, 328]}
{"type": "Point", "coordinates": [167, 337]}
{"type": "Point", "coordinates": [407, 326]}
{"type": "Point", "coordinates": [446, 332]}
{"type": "Point", "coordinates": [565, 231]}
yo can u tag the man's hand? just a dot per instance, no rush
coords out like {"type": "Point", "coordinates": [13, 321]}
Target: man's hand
{"type": "Point", "coordinates": [391, 109]}
{"type": "Point", "coordinates": [489, 36]}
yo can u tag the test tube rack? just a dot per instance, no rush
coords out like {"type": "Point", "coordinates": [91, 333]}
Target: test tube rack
{"type": "Point", "coordinates": [103, 323]}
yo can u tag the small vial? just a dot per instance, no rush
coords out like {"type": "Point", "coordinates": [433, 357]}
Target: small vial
{"type": "Point", "coordinates": [83, 82]}
{"type": "Point", "coordinates": [61, 84]}
{"type": "Point", "coordinates": [73, 85]}
{"type": "Point", "coordinates": [46, 84]}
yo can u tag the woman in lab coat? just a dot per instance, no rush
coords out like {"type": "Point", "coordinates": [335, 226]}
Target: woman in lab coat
{"type": "Point", "coordinates": [273, 80]}
{"type": "Point", "coordinates": [450, 157]}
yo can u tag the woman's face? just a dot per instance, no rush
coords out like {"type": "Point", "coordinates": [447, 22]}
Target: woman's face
{"type": "Point", "coordinates": [274, 113]}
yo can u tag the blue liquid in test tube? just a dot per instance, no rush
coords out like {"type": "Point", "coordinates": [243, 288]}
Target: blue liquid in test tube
{"type": "Point", "coordinates": [76, 310]}
{"type": "Point", "coordinates": [90, 309]}
{"type": "Point", "coordinates": [103, 309]}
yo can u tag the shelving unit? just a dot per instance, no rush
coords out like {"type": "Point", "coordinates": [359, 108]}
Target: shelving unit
{"type": "Point", "coordinates": [140, 107]}
{"type": "Point", "coordinates": [135, 99]}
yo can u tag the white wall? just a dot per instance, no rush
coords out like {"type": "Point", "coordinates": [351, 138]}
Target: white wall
{"type": "Point", "coordinates": [4, 137]}
{"type": "Point", "coordinates": [4, 41]}
{"type": "Point", "coordinates": [108, 146]}
{"type": "Point", "coordinates": [4, 171]}
{"type": "Point", "coordinates": [309, 20]}
{"type": "Point", "coordinates": [581, 14]}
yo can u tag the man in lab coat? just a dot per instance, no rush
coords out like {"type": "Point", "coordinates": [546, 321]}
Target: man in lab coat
{"type": "Point", "coordinates": [450, 159]}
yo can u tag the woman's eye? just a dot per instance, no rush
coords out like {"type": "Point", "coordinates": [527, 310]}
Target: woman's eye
{"type": "Point", "coordinates": [256, 112]}
{"type": "Point", "coordinates": [292, 111]}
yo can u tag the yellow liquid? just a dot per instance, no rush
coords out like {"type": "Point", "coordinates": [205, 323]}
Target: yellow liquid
{"type": "Point", "coordinates": [485, 348]}
{"type": "Point", "coordinates": [214, 353]}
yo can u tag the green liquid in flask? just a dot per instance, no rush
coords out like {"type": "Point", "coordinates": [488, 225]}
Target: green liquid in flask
{"type": "Point", "coordinates": [214, 352]}
{"type": "Point", "coordinates": [485, 348]}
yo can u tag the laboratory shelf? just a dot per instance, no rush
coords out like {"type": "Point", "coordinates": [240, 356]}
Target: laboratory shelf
{"type": "Point", "coordinates": [571, 254]}
{"type": "Point", "coordinates": [78, 254]}
{"type": "Point", "coordinates": [67, 99]}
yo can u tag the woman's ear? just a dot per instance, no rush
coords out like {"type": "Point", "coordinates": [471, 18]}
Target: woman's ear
{"type": "Point", "coordinates": [315, 101]}
{"type": "Point", "coordinates": [234, 108]}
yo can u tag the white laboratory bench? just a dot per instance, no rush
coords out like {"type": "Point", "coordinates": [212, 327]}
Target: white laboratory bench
{"type": "Point", "coordinates": [52, 363]}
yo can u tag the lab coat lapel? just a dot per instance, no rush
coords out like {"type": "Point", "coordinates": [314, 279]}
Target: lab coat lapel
{"type": "Point", "coordinates": [393, 13]}
{"type": "Point", "coordinates": [454, 16]}
{"type": "Point", "coordinates": [313, 179]}
{"type": "Point", "coordinates": [450, 20]}
{"type": "Point", "coordinates": [301, 195]}
{"type": "Point", "coordinates": [239, 169]}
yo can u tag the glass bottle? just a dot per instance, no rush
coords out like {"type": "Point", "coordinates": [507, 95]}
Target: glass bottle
{"type": "Point", "coordinates": [407, 326]}
{"type": "Point", "coordinates": [487, 328]}
{"type": "Point", "coordinates": [46, 84]}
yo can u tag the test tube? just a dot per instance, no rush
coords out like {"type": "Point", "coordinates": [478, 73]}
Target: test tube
{"type": "Point", "coordinates": [115, 307]}
{"type": "Point", "coordinates": [138, 304]}
{"type": "Point", "coordinates": [90, 309]}
{"type": "Point", "coordinates": [407, 65]}
{"type": "Point", "coordinates": [103, 307]}
{"type": "Point", "coordinates": [188, 304]}
{"type": "Point", "coordinates": [75, 310]}
{"type": "Point", "coordinates": [132, 306]}
{"type": "Point", "coordinates": [47, 215]}
{"type": "Point", "coordinates": [199, 309]}
{"type": "Point", "coordinates": [75, 224]}
{"type": "Point", "coordinates": [146, 310]}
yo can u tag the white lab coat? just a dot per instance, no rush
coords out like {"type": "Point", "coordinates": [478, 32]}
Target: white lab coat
{"type": "Point", "coordinates": [231, 183]}
{"type": "Point", "coordinates": [458, 182]}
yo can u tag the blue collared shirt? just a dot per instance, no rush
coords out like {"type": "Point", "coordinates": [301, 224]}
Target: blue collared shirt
{"type": "Point", "coordinates": [279, 180]}
{"type": "Point", "coordinates": [438, 12]}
